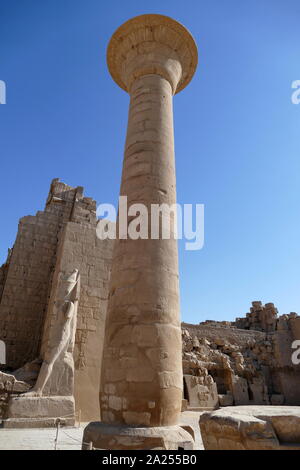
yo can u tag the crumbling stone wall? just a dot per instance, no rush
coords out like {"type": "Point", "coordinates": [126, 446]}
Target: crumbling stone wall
{"type": "Point", "coordinates": [9, 385]}
{"type": "Point", "coordinates": [28, 278]}
{"type": "Point", "coordinates": [248, 366]}
{"type": "Point", "coordinates": [224, 363]}
{"type": "Point", "coordinates": [286, 375]}
{"type": "Point", "coordinates": [3, 273]}
{"type": "Point", "coordinates": [260, 318]}
{"type": "Point", "coordinates": [227, 357]}
{"type": "Point", "coordinates": [80, 248]}
{"type": "Point", "coordinates": [61, 238]}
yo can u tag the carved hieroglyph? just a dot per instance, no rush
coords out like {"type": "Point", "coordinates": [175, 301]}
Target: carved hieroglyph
{"type": "Point", "coordinates": [57, 371]}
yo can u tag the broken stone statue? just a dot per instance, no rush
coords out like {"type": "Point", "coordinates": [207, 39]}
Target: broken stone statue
{"type": "Point", "coordinates": [52, 395]}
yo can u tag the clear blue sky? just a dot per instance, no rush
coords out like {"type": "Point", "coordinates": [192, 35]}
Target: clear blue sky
{"type": "Point", "coordinates": [236, 132]}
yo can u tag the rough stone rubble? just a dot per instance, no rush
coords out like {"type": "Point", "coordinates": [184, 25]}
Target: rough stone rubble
{"type": "Point", "coordinates": [245, 362]}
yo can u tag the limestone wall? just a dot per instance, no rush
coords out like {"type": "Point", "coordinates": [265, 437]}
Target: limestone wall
{"type": "Point", "coordinates": [249, 366]}
{"type": "Point", "coordinates": [80, 249]}
{"type": "Point", "coordinates": [242, 362]}
{"type": "Point", "coordinates": [27, 281]}
{"type": "Point", "coordinates": [24, 298]}
{"type": "Point", "coordinates": [286, 376]}
{"type": "Point", "coordinates": [60, 238]}
{"type": "Point", "coordinates": [232, 335]}
{"type": "Point", "coordinates": [3, 274]}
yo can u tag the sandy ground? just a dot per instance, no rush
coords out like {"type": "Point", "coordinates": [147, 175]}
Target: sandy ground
{"type": "Point", "coordinates": [68, 438]}
{"type": "Point", "coordinates": [192, 418]}
{"type": "Point", "coordinates": [41, 439]}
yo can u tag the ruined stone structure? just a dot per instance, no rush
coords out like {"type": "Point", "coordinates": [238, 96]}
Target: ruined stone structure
{"type": "Point", "coordinates": [50, 245]}
{"type": "Point", "coordinates": [152, 57]}
{"type": "Point", "coordinates": [251, 428]}
{"type": "Point", "coordinates": [56, 375]}
{"type": "Point", "coordinates": [9, 385]}
{"type": "Point", "coordinates": [52, 395]}
{"type": "Point", "coordinates": [224, 363]}
{"type": "Point", "coordinates": [247, 362]}
{"type": "Point", "coordinates": [69, 300]}
{"type": "Point", "coordinates": [260, 318]}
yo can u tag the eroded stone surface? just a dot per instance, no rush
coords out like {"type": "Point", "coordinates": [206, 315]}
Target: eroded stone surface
{"type": "Point", "coordinates": [37, 412]}
{"type": "Point", "coordinates": [69, 438]}
{"type": "Point", "coordinates": [152, 57]}
{"type": "Point", "coordinates": [105, 436]}
{"type": "Point", "coordinates": [251, 428]}
{"type": "Point", "coordinates": [59, 239]}
{"type": "Point", "coordinates": [8, 386]}
{"type": "Point", "coordinates": [248, 366]}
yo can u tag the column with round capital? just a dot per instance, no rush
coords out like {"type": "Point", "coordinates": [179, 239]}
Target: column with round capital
{"type": "Point", "coordinates": [152, 57]}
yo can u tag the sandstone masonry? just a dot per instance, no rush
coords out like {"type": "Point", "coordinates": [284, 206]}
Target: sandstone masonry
{"type": "Point", "coordinates": [247, 362]}
{"type": "Point", "coordinates": [60, 238]}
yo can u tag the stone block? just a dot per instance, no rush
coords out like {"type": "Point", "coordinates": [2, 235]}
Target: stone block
{"type": "Point", "coordinates": [226, 400]}
{"type": "Point", "coordinates": [40, 411]}
{"type": "Point", "coordinates": [106, 436]}
{"type": "Point", "coordinates": [251, 428]}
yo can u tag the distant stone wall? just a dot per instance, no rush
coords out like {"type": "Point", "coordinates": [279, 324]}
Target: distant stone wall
{"type": "Point", "coordinates": [80, 249]}
{"type": "Point", "coordinates": [3, 274]}
{"type": "Point", "coordinates": [224, 363]}
{"type": "Point", "coordinates": [233, 335]}
{"type": "Point", "coordinates": [249, 366]}
{"type": "Point", "coordinates": [286, 375]}
{"type": "Point", "coordinates": [261, 317]}
{"type": "Point", "coordinates": [24, 298]}
{"type": "Point", "coordinates": [58, 239]}
{"type": "Point", "coordinates": [28, 279]}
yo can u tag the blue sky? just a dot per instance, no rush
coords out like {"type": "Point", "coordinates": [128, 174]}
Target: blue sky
{"type": "Point", "coordinates": [236, 134]}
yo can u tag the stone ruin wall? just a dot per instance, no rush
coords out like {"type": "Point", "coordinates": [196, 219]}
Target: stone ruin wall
{"type": "Point", "coordinates": [242, 363]}
{"type": "Point", "coordinates": [80, 248]}
{"type": "Point", "coordinates": [3, 274]}
{"type": "Point", "coordinates": [225, 363]}
{"type": "Point", "coordinates": [28, 279]}
{"type": "Point", "coordinates": [60, 238]}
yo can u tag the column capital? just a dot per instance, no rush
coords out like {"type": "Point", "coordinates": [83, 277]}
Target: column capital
{"type": "Point", "coordinates": [152, 44]}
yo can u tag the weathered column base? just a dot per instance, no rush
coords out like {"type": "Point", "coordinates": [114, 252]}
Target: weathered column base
{"type": "Point", "coordinates": [104, 436]}
{"type": "Point", "coordinates": [37, 412]}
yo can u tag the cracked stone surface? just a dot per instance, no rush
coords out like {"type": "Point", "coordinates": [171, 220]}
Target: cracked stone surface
{"type": "Point", "coordinates": [70, 438]}
{"type": "Point", "coordinates": [41, 439]}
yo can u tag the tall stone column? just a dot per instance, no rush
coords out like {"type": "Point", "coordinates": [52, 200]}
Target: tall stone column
{"type": "Point", "coordinates": [152, 57]}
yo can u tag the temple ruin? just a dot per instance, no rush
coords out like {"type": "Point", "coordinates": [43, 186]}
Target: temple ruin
{"type": "Point", "coordinates": [83, 318]}
{"type": "Point", "coordinates": [246, 362]}
{"type": "Point", "coordinates": [51, 245]}
{"type": "Point", "coordinates": [224, 363]}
